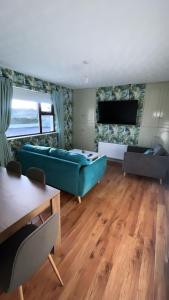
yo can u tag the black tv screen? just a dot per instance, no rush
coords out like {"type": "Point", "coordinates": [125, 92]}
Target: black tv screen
{"type": "Point", "coordinates": [122, 112]}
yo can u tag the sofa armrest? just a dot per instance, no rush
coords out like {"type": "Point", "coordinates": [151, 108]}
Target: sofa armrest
{"type": "Point", "coordinates": [146, 165]}
{"type": "Point", "coordinates": [91, 174]}
{"type": "Point", "coordinates": [136, 149]}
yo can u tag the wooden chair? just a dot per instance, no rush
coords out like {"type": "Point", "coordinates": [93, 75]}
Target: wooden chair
{"type": "Point", "coordinates": [36, 174]}
{"type": "Point", "coordinates": [24, 253]}
{"type": "Point", "coordinates": [14, 166]}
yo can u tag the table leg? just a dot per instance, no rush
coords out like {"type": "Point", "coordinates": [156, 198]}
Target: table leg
{"type": "Point", "coordinates": [55, 208]}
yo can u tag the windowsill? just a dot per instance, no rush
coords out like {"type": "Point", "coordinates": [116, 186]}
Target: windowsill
{"type": "Point", "coordinates": [30, 135]}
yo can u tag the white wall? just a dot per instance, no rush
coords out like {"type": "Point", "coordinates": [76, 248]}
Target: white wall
{"type": "Point", "coordinates": [84, 115]}
{"type": "Point", "coordinates": [155, 122]}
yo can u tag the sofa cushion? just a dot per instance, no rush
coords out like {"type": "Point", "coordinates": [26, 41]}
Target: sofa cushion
{"type": "Point", "coordinates": [159, 150]}
{"type": "Point", "coordinates": [59, 153]}
{"type": "Point", "coordinates": [149, 152]}
{"type": "Point", "coordinates": [66, 155]}
{"type": "Point", "coordinates": [37, 149]}
{"type": "Point", "coordinates": [78, 158]}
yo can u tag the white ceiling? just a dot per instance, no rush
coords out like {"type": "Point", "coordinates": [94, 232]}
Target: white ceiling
{"type": "Point", "coordinates": [123, 41]}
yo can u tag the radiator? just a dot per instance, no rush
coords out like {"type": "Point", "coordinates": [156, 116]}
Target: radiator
{"type": "Point", "coordinates": [115, 151]}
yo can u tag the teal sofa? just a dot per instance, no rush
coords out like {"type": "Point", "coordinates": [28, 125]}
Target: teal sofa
{"type": "Point", "coordinates": [66, 171]}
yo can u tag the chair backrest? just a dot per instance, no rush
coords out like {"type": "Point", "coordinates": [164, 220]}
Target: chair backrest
{"type": "Point", "coordinates": [14, 166]}
{"type": "Point", "coordinates": [33, 251]}
{"type": "Point", "coordinates": [36, 174]}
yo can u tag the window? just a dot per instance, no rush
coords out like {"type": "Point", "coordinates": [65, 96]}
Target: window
{"type": "Point", "coordinates": [29, 117]}
{"type": "Point", "coordinates": [46, 117]}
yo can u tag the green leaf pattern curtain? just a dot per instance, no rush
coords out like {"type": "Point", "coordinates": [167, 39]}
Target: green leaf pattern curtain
{"type": "Point", "coordinates": [58, 103]}
{"type": "Point", "coordinates": [6, 91]}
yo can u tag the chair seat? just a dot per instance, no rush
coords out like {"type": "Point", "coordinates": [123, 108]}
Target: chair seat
{"type": "Point", "coordinates": [8, 251]}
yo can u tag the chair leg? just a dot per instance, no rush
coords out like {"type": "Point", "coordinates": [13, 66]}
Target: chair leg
{"type": "Point", "coordinates": [79, 199]}
{"type": "Point", "coordinates": [20, 290]}
{"type": "Point", "coordinates": [161, 181]}
{"type": "Point", "coordinates": [55, 269]}
{"type": "Point", "coordinates": [124, 174]}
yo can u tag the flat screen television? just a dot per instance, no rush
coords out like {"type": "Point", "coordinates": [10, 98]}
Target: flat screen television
{"type": "Point", "coordinates": [122, 112]}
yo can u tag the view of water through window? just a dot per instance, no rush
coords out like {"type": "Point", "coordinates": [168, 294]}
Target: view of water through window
{"type": "Point", "coordinates": [25, 119]}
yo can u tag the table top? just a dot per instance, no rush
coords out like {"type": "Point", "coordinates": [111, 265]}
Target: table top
{"type": "Point", "coordinates": [19, 196]}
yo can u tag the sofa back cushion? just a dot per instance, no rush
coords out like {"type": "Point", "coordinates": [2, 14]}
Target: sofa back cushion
{"type": "Point", "coordinates": [66, 155]}
{"type": "Point", "coordinates": [58, 153]}
{"type": "Point", "coordinates": [78, 158]}
{"type": "Point", "coordinates": [37, 149]}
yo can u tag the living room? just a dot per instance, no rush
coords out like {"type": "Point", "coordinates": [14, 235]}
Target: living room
{"type": "Point", "coordinates": [84, 143]}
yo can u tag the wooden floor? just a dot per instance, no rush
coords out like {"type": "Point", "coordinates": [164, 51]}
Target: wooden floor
{"type": "Point", "coordinates": [115, 245]}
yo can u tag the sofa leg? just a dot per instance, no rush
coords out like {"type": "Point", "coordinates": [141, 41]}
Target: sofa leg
{"type": "Point", "coordinates": [124, 174]}
{"type": "Point", "coordinates": [79, 199]}
{"type": "Point", "coordinates": [161, 181]}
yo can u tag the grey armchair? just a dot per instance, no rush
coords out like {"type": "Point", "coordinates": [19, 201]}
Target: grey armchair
{"type": "Point", "coordinates": [138, 163]}
{"type": "Point", "coordinates": [23, 253]}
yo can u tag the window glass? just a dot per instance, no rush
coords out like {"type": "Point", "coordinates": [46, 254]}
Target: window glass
{"type": "Point", "coordinates": [30, 117]}
{"type": "Point", "coordinates": [46, 107]}
{"type": "Point", "coordinates": [24, 118]}
{"type": "Point", "coordinates": [47, 123]}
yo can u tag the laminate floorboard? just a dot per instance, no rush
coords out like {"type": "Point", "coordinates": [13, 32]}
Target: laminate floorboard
{"type": "Point", "coordinates": [115, 245]}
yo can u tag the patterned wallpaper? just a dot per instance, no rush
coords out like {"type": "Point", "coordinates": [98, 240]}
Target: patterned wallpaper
{"type": "Point", "coordinates": [36, 84]}
{"type": "Point", "coordinates": [42, 140]}
{"type": "Point", "coordinates": [120, 134]}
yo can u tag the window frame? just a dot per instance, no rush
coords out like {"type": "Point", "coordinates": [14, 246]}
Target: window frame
{"type": "Point", "coordinates": [46, 113]}
{"type": "Point", "coordinates": [40, 114]}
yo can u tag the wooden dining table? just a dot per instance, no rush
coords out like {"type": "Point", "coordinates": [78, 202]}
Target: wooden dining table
{"type": "Point", "coordinates": [22, 199]}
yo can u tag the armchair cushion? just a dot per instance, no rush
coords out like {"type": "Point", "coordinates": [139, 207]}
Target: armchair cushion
{"type": "Point", "coordinates": [149, 152]}
{"type": "Point", "coordinates": [159, 150]}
